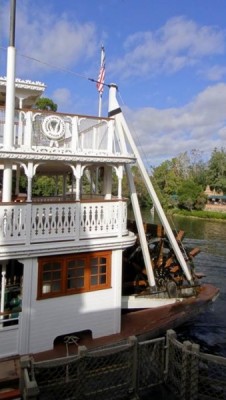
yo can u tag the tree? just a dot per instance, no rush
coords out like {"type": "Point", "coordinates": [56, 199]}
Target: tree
{"type": "Point", "coordinates": [44, 103]}
{"type": "Point", "coordinates": [191, 196]}
{"type": "Point", "coordinates": [198, 168]}
{"type": "Point", "coordinates": [41, 185]}
{"type": "Point", "coordinates": [166, 179]}
{"type": "Point", "coordinates": [216, 177]}
{"type": "Point", "coordinates": [142, 193]}
{"type": "Point", "coordinates": [44, 186]}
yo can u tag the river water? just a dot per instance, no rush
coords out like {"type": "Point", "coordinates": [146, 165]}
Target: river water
{"type": "Point", "coordinates": [208, 328]}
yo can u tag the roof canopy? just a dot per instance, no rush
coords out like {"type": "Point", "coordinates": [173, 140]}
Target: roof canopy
{"type": "Point", "coordinates": [26, 92]}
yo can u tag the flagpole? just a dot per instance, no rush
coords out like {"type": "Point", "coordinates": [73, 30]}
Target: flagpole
{"type": "Point", "coordinates": [100, 82]}
{"type": "Point", "coordinates": [100, 105]}
{"type": "Point", "coordinates": [9, 105]}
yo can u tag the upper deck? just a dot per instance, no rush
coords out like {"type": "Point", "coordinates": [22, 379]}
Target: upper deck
{"type": "Point", "coordinates": [41, 135]}
{"type": "Point", "coordinates": [59, 144]}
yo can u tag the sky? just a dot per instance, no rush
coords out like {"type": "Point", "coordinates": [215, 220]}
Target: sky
{"type": "Point", "coordinates": [168, 58]}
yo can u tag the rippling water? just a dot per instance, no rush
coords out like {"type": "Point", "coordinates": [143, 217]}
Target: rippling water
{"type": "Point", "coordinates": [208, 328]}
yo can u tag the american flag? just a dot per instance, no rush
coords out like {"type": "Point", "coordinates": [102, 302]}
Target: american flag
{"type": "Point", "coordinates": [101, 77]}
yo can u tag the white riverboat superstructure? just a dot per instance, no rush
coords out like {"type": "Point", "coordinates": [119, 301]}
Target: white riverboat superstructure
{"type": "Point", "coordinates": [62, 256]}
{"type": "Point", "coordinates": [41, 238]}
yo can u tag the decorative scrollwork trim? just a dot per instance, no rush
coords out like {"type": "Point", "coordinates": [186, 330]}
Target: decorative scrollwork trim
{"type": "Point", "coordinates": [53, 127]}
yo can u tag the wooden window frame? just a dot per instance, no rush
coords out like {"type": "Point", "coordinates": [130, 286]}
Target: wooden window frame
{"type": "Point", "coordinates": [63, 260]}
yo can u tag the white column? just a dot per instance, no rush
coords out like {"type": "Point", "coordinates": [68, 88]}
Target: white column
{"type": "Point", "coordinates": [9, 122]}
{"type": "Point", "coordinates": [29, 171]}
{"type": "Point", "coordinates": [117, 285]}
{"type": "Point", "coordinates": [10, 98]}
{"type": "Point", "coordinates": [29, 189]}
{"type": "Point", "coordinates": [110, 136]}
{"type": "Point", "coordinates": [77, 190]}
{"type": "Point", "coordinates": [3, 285]}
{"type": "Point", "coordinates": [74, 139]}
{"type": "Point", "coordinates": [29, 285]}
{"type": "Point", "coordinates": [17, 180]}
{"type": "Point", "coordinates": [107, 182]}
{"type": "Point", "coordinates": [96, 180]}
{"type": "Point", "coordinates": [77, 171]}
{"type": "Point", "coordinates": [119, 173]}
{"type": "Point", "coordinates": [20, 127]}
{"type": "Point", "coordinates": [9, 105]}
{"type": "Point", "coordinates": [7, 183]}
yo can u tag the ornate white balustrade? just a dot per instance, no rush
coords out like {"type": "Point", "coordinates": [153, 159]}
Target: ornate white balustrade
{"type": "Point", "coordinates": [99, 219]}
{"type": "Point", "coordinates": [38, 131]}
{"type": "Point", "coordinates": [26, 223]}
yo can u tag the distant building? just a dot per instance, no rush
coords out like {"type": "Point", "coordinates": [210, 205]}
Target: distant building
{"type": "Point", "coordinates": [214, 196]}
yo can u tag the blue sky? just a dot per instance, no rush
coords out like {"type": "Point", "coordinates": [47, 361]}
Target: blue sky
{"type": "Point", "coordinates": [168, 59]}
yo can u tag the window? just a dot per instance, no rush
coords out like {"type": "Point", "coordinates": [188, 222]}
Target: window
{"type": "Point", "coordinates": [72, 274]}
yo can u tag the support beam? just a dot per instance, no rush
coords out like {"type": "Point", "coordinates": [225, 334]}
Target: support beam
{"type": "Point", "coordinates": [134, 199]}
{"type": "Point", "coordinates": [120, 121]}
{"type": "Point", "coordinates": [3, 286]}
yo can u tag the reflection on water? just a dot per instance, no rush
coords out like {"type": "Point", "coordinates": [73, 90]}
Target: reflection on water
{"type": "Point", "coordinates": [209, 328]}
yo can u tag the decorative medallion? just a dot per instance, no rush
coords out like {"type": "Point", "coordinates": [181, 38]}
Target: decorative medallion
{"type": "Point", "coordinates": [53, 127]}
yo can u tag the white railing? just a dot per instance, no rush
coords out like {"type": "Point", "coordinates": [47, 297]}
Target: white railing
{"type": "Point", "coordinates": [13, 223]}
{"type": "Point", "coordinates": [26, 223]}
{"type": "Point", "coordinates": [39, 131]}
{"type": "Point", "coordinates": [99, 219]}
{"type": "Point", "coordinates": [55, 221]}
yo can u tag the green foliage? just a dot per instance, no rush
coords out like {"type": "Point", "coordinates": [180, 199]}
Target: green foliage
{"type": "Point", "coordinates": [216, 176]}
{"type": "Point", "coordinates": [190, 196]}
{"type": "Point", "coordinates": [186, 173]}
{"type": "Point", "coordinates": [44, 103]}
{"type": "Point", "coordinates": [202, 214]}
{"type": "Point", "coordinates": [142, 193]}
{"type": "Point", "coordinates": [44, 186]}
{"type": "Point", "coordinates": [179, 182]}
{"type": "Point", "coordinates": [41, 185]}
{"type": "Point", "coordinates": [182, 181]}
{"type": "Point", "coordinates": [197, 168]}
{"type": "Point", "coordinates": [23, 184]}
{"type": "Point", "coordinates": [166, 178]}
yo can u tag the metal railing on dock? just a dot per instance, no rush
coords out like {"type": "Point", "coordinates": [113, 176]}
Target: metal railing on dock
{"type": "Point", "coordinates": [129, 369]}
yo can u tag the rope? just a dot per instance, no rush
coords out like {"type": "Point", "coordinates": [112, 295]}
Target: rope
{"type": "Point", "coordinates": [78, 75]}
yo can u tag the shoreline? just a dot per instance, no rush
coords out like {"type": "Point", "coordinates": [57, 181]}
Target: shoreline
{"type": "Point", "coordinates": [211, 213]}
{"type": "Point", "coordinates": [221, 208]}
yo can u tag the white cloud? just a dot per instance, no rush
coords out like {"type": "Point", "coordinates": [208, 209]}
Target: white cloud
{"type": "Point", "coordinates": [178, 44]}
{"type": "Point", "coordinates": [222, 133]}
{"type": "Point", "coordinates": [215, 73]}
{"type": "Point", "coordinates": [57, 40]}
{"type": "Point", "coordinates": [201, 124]}
{"type": "Point", "coordinates": [63, 98]}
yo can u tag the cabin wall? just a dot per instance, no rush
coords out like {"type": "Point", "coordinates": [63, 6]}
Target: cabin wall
{"type": "Point", "coordinates": [9, 341]}
{"type": "Point", "coordinates": [43, 320]}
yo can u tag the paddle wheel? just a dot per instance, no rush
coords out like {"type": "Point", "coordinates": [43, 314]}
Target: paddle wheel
{"type": "Point", "coordinates": [169, 276]}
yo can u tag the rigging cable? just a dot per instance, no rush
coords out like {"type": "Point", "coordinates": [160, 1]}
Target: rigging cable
{"type": "Point", "coordinates": [78, 75]}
